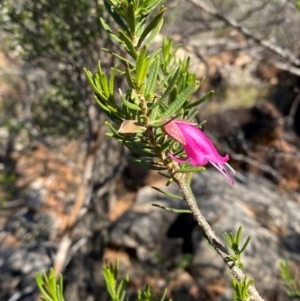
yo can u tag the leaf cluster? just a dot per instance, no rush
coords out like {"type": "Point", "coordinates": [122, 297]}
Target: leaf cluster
{"type": "Point", "coordinates": [158, 86]}
{"type": "Point", "coordinates": [51, 289]}
{"type": "Point", "coordinates": [117, 288]}
{"type": "Point", "coordinates": [233, 242]}
{"type": "Point", "coordinates": [289, 279]}
{"type": "Point", "coordinates": [241, 289]}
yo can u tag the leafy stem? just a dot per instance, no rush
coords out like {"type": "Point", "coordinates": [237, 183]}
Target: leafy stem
{"type": "Point", "coordinates": [233, 242]}
{"type": "Point", "coordinates": [211, 237]}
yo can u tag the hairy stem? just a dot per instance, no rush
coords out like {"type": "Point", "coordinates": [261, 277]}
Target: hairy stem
{"type": "Point", "coordinates": [211, 236]}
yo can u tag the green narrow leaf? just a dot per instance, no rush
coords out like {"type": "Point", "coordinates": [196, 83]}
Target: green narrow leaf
{"type": "Point", "coordinates": [39, 280]}
{"type": "Point", "coordinates": [102, 106]}
{"type": "Point", "coordinates": [52, 286]}
{"type": "Point", "coordinates": [151, 4]}
{"type": "Point", "coordinates": [227, 239]}
{"type": "Point", "coordinates": [110, 282]}
{"type": "Point", "coordinates": [165, 76]}
{"type": "Point", "coordinates": [169, 194]}
{"type": "Point", "coordinates": [135, 97]}
{"type": "Point", "coordinates": [186, 64]}
{"type": "Point", "coordinates": [173, 95]}
{"type": "Point", "coordinates": [99, 68]}
{"type": "Point", "coordinates": [190, 115]}
{"type": "Point", "coordinates": [113, 2]}
{"type": "Point", "coordinates": [109, 31]}
{"type": "Point", "coordinates": [122, 59]}
{"type": "Point", "coordinates": [41, 285]}
{"type": "Point", "coordinates": [115, 269]}
{"type": "Point", "coordinates": [153, 72]}
{"type": "Point", "coordinates": [111, 135]}
{"type": "Point", "coordinates": [167, 45]}
{"type": "Point", "coordinates": [111, 83]}
{"type": "Point", "coordinates": [169, 88]}
{"type": "Point", "coordinates": [158, 123]}
{"type": "Point", "coordinates": [115, 16]}
{"type": "Point", "coordinates": [154, 33]}
{"type": "Point", "coordinates": [201, 100]}
{"type": "Point", "coordinates": [172, 209]}
{"type": "Point", "coordinates": [112, 108]}
{"type": "Point", "coordinates": [60, 288]}
{"type": "Point", "coordinates": [129, 78]}
{"type": "Point", "coordinates": [250, 282]}
{"type": "Point", "coordinates": [164, 175]}
{"type": "Point", "coordinates": [123, 295]}
{"type": "Point", "coordinates": [238, 235]}
{"type": "Point", "coordinates": [107, 111]}
{"type": "Point", "coordinates": [131, 17]}
{"type": "Point", "coordinates": [101, 79]}
{"type": "Point", "coordinates": [167, 145]}
{"type": "Point", "coordinates": [164, 295]}
{"type": "Point", "coordinates": [232, 238]}
{"type": "Point", "coordinates": [189, 179]}
{"type": "Point", "coordinates": [140, 150]}
{"type": "Point", "coordinates": [89, 76]}
{"type": "Point", "coordinates": [180, 100]}
{"type": "Point", "coordinates": [129, 44]}
{"type": "Point", "coordinates": [154, 53]}
{"type": "Point", "coordinates": [153, 114]}
{"type": "Point", "coordinates": [245, 244]}
{"type": "Point", "coordinates": [145, 164]}
{"type": "Point", "coordinates": [142, 64]}
{"type": "Point", "coordinates": [191, 169]}
{"type": "Point", "coordinates": [109, 125]}
{"type": "Point", "coordinates": [151, 26]}
{"type": "Point", "coordinates": [139, 27]}
{"type": "Point", "coordinates": [102, 83]}
{"type": "Point", "coordinates": [46, 279]}
{"type": "Point", "coordinates": [130, 105]}
{"type": "Point", "coordinates": [119, 289]}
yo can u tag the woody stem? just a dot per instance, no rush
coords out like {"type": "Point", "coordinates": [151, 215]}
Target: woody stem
{"type": "Point", "coordinates": [211, 236]}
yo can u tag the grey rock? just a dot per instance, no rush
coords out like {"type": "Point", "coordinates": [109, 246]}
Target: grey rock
{"type": "Point", "coordinates": [268, 215]}
{"type": "Point", "coordinates": [145, 228]}
{"type": "Point", "coordinates": [18, 267]}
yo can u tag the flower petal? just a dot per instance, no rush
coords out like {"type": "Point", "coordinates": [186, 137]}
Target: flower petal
{"type": "Point", "coordinates": [174, 131]}
{"type": "Point", "coordinates": [199, 145]}
{"type": "Point", "coordinates": [196, 158]}
{"type": "Point", "coordinates": [179, 160]}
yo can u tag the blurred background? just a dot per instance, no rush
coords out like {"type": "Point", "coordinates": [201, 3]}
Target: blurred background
{"type": "Point", "coordinates": [68, 190]}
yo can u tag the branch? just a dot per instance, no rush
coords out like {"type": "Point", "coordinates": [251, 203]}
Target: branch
{"type": "Point", "coordinates": [283, 53]}
{"type": "Point", "coordinates": [286, 67]}
{"type": "Point", "coordinates": [211, 236]}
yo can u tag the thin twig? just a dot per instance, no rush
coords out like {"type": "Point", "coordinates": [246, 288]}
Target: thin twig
{"type": "Point", "coordinates": [211, 236]}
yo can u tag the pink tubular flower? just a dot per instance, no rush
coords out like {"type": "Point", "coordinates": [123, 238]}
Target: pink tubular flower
{"type": "Point", "coordinates": [197, 146]}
